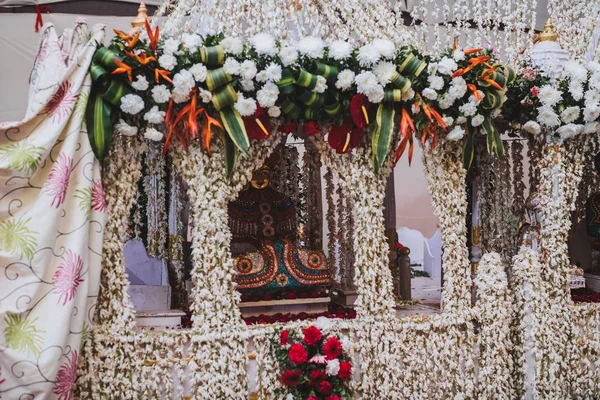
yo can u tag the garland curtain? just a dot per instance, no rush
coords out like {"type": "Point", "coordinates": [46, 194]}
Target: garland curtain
{"type": "Point", "coordinates": [52, 216]}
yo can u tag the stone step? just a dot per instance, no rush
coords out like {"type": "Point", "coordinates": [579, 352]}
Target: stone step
{"type": "Point", "coordinates": [150, 297]}
{"type": "Point", "coordinates": [159, 319]}
{"type": "Point", "coordinates": [294, 306]}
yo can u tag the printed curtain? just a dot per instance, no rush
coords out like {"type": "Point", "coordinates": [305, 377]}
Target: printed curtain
{"type": "Point", "coordinates": [52, 216]}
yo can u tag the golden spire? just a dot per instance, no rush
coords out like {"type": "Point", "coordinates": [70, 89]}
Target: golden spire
{"type": "Point", "coordinates": [549, 34]}
{"type": "Point", "coordinates": [139, 21]}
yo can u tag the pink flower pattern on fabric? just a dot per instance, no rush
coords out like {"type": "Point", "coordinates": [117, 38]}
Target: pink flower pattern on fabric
{"type": "Point", "coordinates": [67, 277]}
{"type": "Point", "coordinates": [98, 200]}
{"type": "Point", "coordinates": [65, 378]}
{"type": "Point", "coordinates": [62, 102]}
{"type": "Point", "coordinates": [58, 179]}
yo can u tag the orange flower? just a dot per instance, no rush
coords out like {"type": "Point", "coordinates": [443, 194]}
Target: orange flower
{"type": "Point", "coordinates": [142, 58]}
{"type": "Point", "coordinates": [153, 37]}
{"type": "Point", "coordinates": [123, 68]}
{"type": "Point", "coordinates": [122, 35]}
{"type": "Point", "coordinates": [133, 41]}
{"type": "Point", "coordinates": [162, 73]}
{"type": "Point", "coordinates": [471, 51]}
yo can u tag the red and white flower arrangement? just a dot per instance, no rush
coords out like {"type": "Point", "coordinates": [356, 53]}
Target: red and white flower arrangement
{"type": "Point", "coordinates": [313, 365]}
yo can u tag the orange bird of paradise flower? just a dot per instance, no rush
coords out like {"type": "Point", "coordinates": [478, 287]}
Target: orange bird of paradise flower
{"type": "Point", "coordinates": [133, 41]}
{"type": "Point", "coordinates": [123, 68]}
{"type": "Point", "coordinates": [158, 73]}
{"type": "Point", "coordinates": [142, 58]}
{"type": "Point", "coordinates": [122, 35]}
{"type": "Point", "coordinates": [152, 36]}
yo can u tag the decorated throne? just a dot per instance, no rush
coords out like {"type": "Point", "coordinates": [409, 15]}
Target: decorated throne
{"type": "Point", "coordinates": [265, 245]}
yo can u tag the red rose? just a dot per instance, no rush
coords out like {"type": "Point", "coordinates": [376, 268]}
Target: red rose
{"type": "Point", "coordinates": [325, 387]}
{"type": "Point", "coordinates": [291, 378]}
{"type": "Point", "coordinates": [332, 398]}
{"type": "Point", "coordinates": [312, 335]}
{"type": "Point", "coordinates": [298, 354]}
{"type": "Point", "coordinates": [288, 127]}
{"type": "Point", "coordinates": [534, 91]}
{"type": "Point", "coordinates": [332, 348]}
{"type": "Point", "coordinates": [283, 337]}
{"type": "Point", "coordinates": [345, 370]}
{"type": "Point", "coordinates": [317, 376]}
{"type": "Point", "coordinates": [310, 128]}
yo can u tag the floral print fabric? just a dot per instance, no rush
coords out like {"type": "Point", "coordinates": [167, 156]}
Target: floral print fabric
{"type": "Point", "coordinates": [52, 216]}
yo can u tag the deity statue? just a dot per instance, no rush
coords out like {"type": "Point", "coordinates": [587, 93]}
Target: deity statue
{"type": "Point", "coordinates": [264, 226]}
{"type": "Point", "coordinates": [592, 220]}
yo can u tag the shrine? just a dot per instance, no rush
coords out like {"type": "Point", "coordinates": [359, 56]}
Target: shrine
{"type": "Point", "coordinates": [304, 200]}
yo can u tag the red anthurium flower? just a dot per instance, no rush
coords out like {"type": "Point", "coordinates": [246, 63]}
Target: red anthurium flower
{"type": "Point", "coordinates": [345, 137]}
{"type": "Point", "coordinates": [291, 378]}
{"type": "Point", "coordinates": [298, 354]}
{"type": "Point", "coordinates": [345, 371]}
{"type": "Point", "coordinates": [325, 387]}
{"type": "Point", "coordinates": [258, 126]}
{"type": "Point", "coordinates": [283, 337]}
{"type": "Point", "coordinates": [310, 128]}
{"type": "Point", "coordinates": [332, 348]}
{"type": "Point", "coordinates": [312, 335]}
{"type": "Point", "coordinates": [359, 110]}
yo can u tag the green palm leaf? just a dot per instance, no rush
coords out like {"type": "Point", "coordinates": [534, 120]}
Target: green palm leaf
{"type": "Point", "coordinates": [17, 238]}
{"type": "Point", "coordinates": [85, 201]}
{"type": "Point", "coordinates": [21, 156]}
{"type": "Point", "coordinates": [22, 335]}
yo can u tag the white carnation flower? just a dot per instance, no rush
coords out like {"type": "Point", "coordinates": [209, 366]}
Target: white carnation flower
{"type": "Point", "coordinates": [432, 68]}
{"type": "Point", "coordinates": [273, 72]}
{"type": "Point", "coordinates": [340, 49]}
{"type": "Point", "coordinates": [576, 90]}
{"type": "Point", "coordinates": [288, 55]}
{"type": "Point", "coordinates": [153, 134]}
{"type": "Point", "coordinates": [289, 396]}
{"type": "Point", "coordinates": [375, 94]}
{"type": "Point", "coordinates": [592, 97]}
{"type": "Point", "coordinates": [232, 66]}
{"type": "Point", "coordinates": [261, 76]}
{"type": "Point", "coordinates": [456, 134]}
{"type": "Point", "coordinates": [445, 102]}
{"type": "Point", "coordinates": [547, 117]}
{"type": "Point", "coordinates": [345, 79]}
{"type": "Point", "coordinates": [274, 112]}
{"type": "Point", "coordinates": [232, 45]}
{"type": "Point", "coordinates": [347, 344]}
{"type": "Point", "coordinates": [154, 116]}
{"type": "Point", "coordinates": [311, 46]}
{"type": "Point", "coordinates": [167, 61]}
{"type": "Point", "coordinates": [460, 120]}
{"type": "Point", "coordinates": [125, 129]}
{"type": "Point", "coordinates": [264, 44]}
{"type": "Point", "coordinates": [447, 66]}
{"type": "Point", "coordinates": [570, 114]}
{"type": "Point", "coordinates": [458, 88]}
{"type": "Point", "coordinates": [170, 46]}
{"type": "Point", "coordinates": [532, 127]}
{"type": "Point", "coordinates": [429, 94]}
{"type": "Point", "coordinates": [495, 113]}
{"type": "Point", "coordinates": [179, 97]}
{"type": "Point", "coordinates": [474, 99]}
{"type": "Point", "coordinates": [248, 69]}
{"type": "Point", "coordinates": [140, 83]}
{"type": "Point", "coordinates": [459, 55]}
{"type": "Point", "coordinates": [333, 367]}
{"type": "Point", "coordinates": [408, 95]}
{"type": "Point", "coordinates": [594, 81]}
{"type": "Point", "coordinates": [191, 41]}
{"type": "Point", "coordinates": [365, 81]}
{"type": "Point", "coordinates": [384, 71]}
{"type": "Point", "coordinates": [160, 94]}
{"type": "Point", "coordinates": [591, 112]}
{"type": "Point", "coordinates": [324, 324]}
{"type": "Point", "coordinates": [247, 85]}
{"type": "Point", "coordinates": [591, 127]}
{"type": "Point", "coordinates": [245, 106]}
{"type": "Point", "coordinates": [267, 96]}
{"type": "Point", "coordinates": [468, 109]}
{"type": "Point", "coordinates": [477, 120]}
{"type": "Point", "coordinates": [205, 95]}
{"type": "Point", "coordinates": [368, 55]}
{"type": "Point", "coordinates": [321, 85]}
{"type": "Point", "coordinates": [132, 104]}
{"type": "Point", "coordinates": [549, 96]}
{"type": "Point", "coordinates": [449, 121]}
{"type": "Point", "coordinates": [435, 82]}
{"type": "Point", "coordinates": [199, 72]}
{"type": "Point", "coordinates": [568, 131]}
{"type": "Point", "coordinates": [593, 66]}
{"type": "Point", "coordinates": [385, 47]}
{"type": "Point", "coordinates": [576, 71]}
{"type": "Point", "coordinates": [183, 83]}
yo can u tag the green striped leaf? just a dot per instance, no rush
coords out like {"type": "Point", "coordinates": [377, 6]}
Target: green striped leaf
{"type": "Point", "coordinates": [382, 136]}
{"type": "Point", "coordinates": [469, 150]}
{"type": "Point", "coordinates": [234, 125]}
{"type": "Point", "coordinates": [99, 125]}
{"type": "Point", "coordinates": [231, 153]}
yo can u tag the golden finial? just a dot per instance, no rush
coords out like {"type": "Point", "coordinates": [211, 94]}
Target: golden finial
{"type": "Point", "coordinates": [549, 34]}
{"type": "Point", "coordinates": [139, 21]}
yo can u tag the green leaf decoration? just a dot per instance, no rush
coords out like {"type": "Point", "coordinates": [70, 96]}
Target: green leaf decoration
{"type": "Point", "coordinates": [382, 136]}
{"type": "Point", "coordinates": [22, 335]}
{"type": "Point", "coordinates": [17, 238]}
{"type": "Point", "coordinates": [85, 334]}
{"type": "Point", "coordinates": [21, 156]}
{"type": "Point", "coordinates": [234, 125]}
{"type": "Point", "coordinates": [85, 201]}
{"type": "Point", "coordinates": [231, 154]}
{"type": "Point", "coordinates": [80, 105]}
{"type": "Point", "coordinates": [99, 125]}
{"type": "Point", "coordinates": [469, 150]}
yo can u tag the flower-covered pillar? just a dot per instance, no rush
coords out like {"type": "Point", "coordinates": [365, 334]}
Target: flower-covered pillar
{"type": "Point", "coordinates": [366, 189]}
{"type": "Point", "coordinates": [446, 180]}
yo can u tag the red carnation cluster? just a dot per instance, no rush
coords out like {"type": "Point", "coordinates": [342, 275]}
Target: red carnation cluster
{"type": "Point", "coordinates": [305, 356]}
